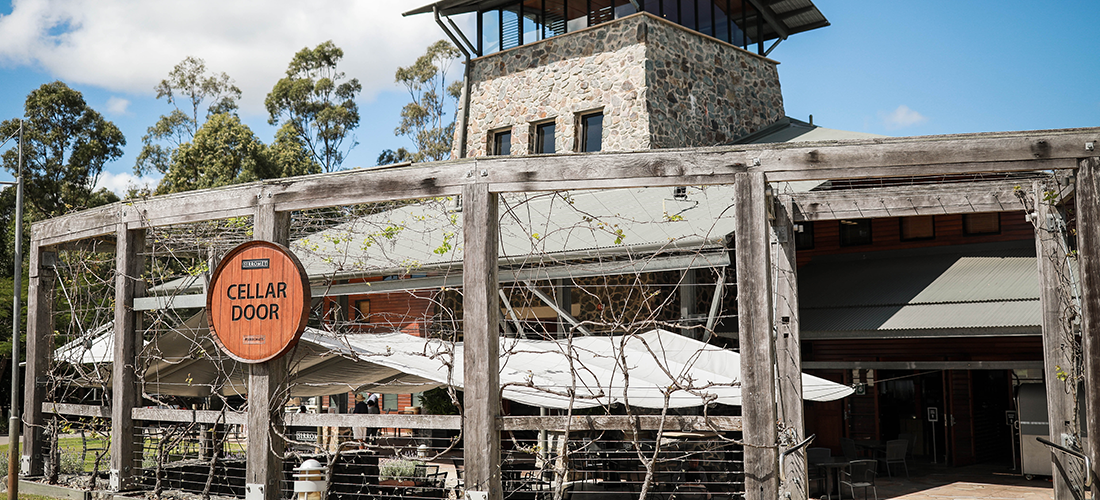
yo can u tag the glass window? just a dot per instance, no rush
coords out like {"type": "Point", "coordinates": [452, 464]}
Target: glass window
{"type": "Point", "coordinates": [489, 27]}
{"type": "Point", "coordinates": [500, 142]}
{"type": "Point", "coordinates": [362, 311]}
{"type": "Point", "coordinates": [988, 223]}
{"type": "Point", "coordinates": [389, 402]}
{"type": "Point", "coordinates": [918, 228]}
{"type": "Point", "coordinates": [721, 20]}
{"type": "Point", "coordinates": [591, 132]}
{"type": "Point", "coordinates": [688, 14]}
{"type": "Point", "coordinates": [804, 236]}
{"type": "Point", "coordinates": [855, 232]}
{"type": "Point", "coordinates": [544, 138]}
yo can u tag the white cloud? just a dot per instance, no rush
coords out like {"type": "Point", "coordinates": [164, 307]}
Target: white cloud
{"type": "Point", "coordinates": [118, 106]}
{"type": "Point", "coordinates": [902, 117]}
{"type": "Point", "coordinates": [127, 46]}
{"type": "Point", "coordinates": [122, 183]}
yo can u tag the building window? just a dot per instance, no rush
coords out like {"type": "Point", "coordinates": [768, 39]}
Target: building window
{"type": "Point", "coordinates": [804, 236]}
{"type": "Point", "coordinates": [362, 311]}
{"type": "Point", "coordinates": [544, 139]}
{"type": "Point", "coordinates": [591, 132]}
{"type": "Point", "coordinates": [500, 142]}
{"type": "Point", "coordinates": [389, 402]}
{"type": "Point", "coordinates": [855, 232]}
{"type": "Point", "coordinates": [987, 223]}
{"type": "Point", "coordinates": [918, 228]}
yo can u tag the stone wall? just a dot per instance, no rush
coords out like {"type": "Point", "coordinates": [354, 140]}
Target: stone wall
{"type": "Point", "coordinates": [704, 92]}
{"type": "Point", "coordinates": [658, 84]}
{"type": "Point", "coordinates": [599, 68]}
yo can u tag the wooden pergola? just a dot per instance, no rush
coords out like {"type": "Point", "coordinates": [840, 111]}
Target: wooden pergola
{"type": "Point", "coordinates": [480, 181]}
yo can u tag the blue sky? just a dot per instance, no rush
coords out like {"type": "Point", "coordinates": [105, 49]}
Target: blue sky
{"type": "Point", "coordinates": [885, 67]}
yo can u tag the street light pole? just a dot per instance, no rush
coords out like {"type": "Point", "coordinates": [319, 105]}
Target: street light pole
{"type": "Point", "coordinates": [14, 421]}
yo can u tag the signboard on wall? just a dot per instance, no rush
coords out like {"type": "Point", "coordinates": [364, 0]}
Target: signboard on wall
{"type": "Point", "coordinates": [258, 302]}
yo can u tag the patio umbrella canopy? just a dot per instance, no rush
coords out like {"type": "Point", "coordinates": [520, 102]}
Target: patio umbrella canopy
{"type": "Point", "coordinates": [637, 370]}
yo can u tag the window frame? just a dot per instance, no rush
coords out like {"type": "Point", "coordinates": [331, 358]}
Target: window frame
{"type": "Point", "coordinates": [901, 228]}
{"type": "Point", "coordinates": [967, 231]}
{"type": "Point", "coordinates": [846, 240]}
{"type": "Point", "coordinates": [583, 127]}
{"type": "Point", "coordinates": [494, 144]}
{"type": "Point", "coordinates": [538, 143]}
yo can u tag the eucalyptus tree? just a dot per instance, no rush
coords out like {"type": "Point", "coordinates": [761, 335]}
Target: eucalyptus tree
{"type": "Point", "coordinates": [66, 143]}
{"type": "Point", "coordinates": [317, 102]}
{"type": "Point", "coordinates": [187, 88]}
{"type": "Point", "coordinates": [428, 120]}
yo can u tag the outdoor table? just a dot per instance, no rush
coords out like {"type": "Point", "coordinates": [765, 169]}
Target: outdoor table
{"type": "Point", "coordinates": [837, 464]}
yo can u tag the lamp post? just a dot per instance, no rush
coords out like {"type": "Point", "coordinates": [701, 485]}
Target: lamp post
{"type": "Point", "coordinates": [14, 420]}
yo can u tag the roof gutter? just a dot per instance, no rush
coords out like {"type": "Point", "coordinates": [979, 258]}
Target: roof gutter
{"type": "Point", "coordinates": [465, 103]}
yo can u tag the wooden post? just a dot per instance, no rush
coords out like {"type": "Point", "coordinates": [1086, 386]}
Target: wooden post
{"type": "Point", "coordinates": [788, 350]}
{"type": "Point", "coordinates": [40, 296]}
{"type": "Point", "coordinates": [480, 228]}
{"type": "Point", "coordinates": [264, 466]}
{"type": "Point", "coordinates": [754, 322]}
{"type": "Point", "coordinates": [125, 391]}
{"type": "Point", "coordinates": [1057, 304]}
{"type": "Point", "coordinates": [1088, 255]}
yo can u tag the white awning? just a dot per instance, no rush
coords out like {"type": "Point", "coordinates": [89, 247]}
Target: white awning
{"type": "Point", "coordinates": [639, 370]}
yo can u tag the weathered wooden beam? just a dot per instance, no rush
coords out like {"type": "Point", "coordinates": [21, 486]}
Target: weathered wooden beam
{"type": "Point", "coordinates": [622, 422]}
{"type": "Point", "coordinates": [788, 352]}
{"type": "Point", "coordinates": [264, 456]}
{"type": "Point", "coordinates": [757, 347]}
{"type": "Point", "coordinates": [76, 410]}
{"type": "Point", "coordinates": [480, 311]}
{"type": "Point", "coordinates": [922, 365]}
{"type": "Point", "coordinates": [40, 323]}
{"type": "Point", "coordinates": [1056, 296]}
{"type": "Point", "coordinates": [907, 201]}
{"type": "Point", "coordinates": [886, 157]}
{"type": "Point", "coordinates": [926, 333]}
{"type": "Point", "coordinates": [125, 390]}
{"type": "Point", "coordinates": [1088, 255]}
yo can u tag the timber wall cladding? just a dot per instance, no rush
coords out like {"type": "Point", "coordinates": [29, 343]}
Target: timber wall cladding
{"type": "Point", "coordinates": [886, 235]}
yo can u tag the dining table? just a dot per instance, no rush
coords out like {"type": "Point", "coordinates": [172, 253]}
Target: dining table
{"type": "Point", "coordinates": [833, 465]}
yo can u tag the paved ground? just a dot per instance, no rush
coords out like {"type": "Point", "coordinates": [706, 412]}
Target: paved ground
{"type": "Point", "coordinates": [977, 482]}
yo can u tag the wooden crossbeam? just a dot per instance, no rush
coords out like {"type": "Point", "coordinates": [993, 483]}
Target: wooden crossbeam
{"type": "Point", "coordinates": [886, 157]}
{"type": "Point", "coordinates": [906, 201]}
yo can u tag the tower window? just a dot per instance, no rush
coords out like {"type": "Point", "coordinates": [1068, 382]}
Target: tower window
{"type": "Point", "coordinates": [591, 132]}
{"type": "Point", "coordinates": [500, 142]}
{"type": "Point", "coordinates": [544, 138]}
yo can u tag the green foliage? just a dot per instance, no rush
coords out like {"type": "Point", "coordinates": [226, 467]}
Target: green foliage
{"type": "Point", "coordinates": [65, 146]}
{"type": "Point", "coordinates": [426, 120]}
{"type": "Point", "coordinates": [437, 402]}
{"type": "Point", "coordinates": [289, 157]}
{"type": "Point", "coordinates": [188, 82]}
{"type": "Point", "coordinates": [317, 105]}
{"type": "Point", "coordinates": [389, 156]}
{"type": "Point", "coordinates": [400, 469]}
{"type": "Point", "coordinates": [224, 151]}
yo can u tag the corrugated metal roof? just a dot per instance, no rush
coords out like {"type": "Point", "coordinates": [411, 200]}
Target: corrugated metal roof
{"type": "Point", "coordinates": [536, 229]}
{"type": "Point", "coordinates": [970, 286]}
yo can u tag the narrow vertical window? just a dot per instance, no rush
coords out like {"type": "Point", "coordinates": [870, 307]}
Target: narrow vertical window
{"type": "Point", "coordinates": [544, 139]}
{"type": "Point", "coordinates": [591, 132]}
{"type": "Point", "coordinates": [500, 142]}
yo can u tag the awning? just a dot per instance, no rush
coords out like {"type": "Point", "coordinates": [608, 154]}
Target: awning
{"type": "Point", "coordinates": [639, 370]}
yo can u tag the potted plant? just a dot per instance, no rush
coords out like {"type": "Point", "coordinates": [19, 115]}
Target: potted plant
{"type": "Point", "coordinates": [400, 472]}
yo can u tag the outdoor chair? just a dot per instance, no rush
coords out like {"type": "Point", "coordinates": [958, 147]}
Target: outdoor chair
{"type": "Point", "coordinates": [860, 474]}
{"type": "Point", "coordinates": [816, 473]}
{"type": "Point", "coordinates": [895, 454]}
{"type": "Point", "coordinates": [848, 448]}
{"type": "Point", "coordinates": [908, 437]}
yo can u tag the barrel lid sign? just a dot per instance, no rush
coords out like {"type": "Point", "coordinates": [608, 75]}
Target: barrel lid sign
{"type": "Point", "coordinates": [258, 302]}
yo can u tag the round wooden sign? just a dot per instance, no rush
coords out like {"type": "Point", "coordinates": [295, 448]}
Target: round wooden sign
{"type": "Point", "coordinates": [258, 302]}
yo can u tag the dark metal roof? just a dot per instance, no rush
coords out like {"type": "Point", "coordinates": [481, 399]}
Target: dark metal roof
{"type": "Point", "coordinates": [987, 286]}
{"type": "Point", "coordinates": [782, 17]}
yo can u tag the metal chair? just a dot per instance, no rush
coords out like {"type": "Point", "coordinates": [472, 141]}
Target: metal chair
{"type": "Point", "coordinates": [815, 472]}
{"type": "Point", "coordinates": [848, 448]}
{"type": "Point", "coordinates": [895, 454]}
{"type": "Point", "coordinates": [860, 474]}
